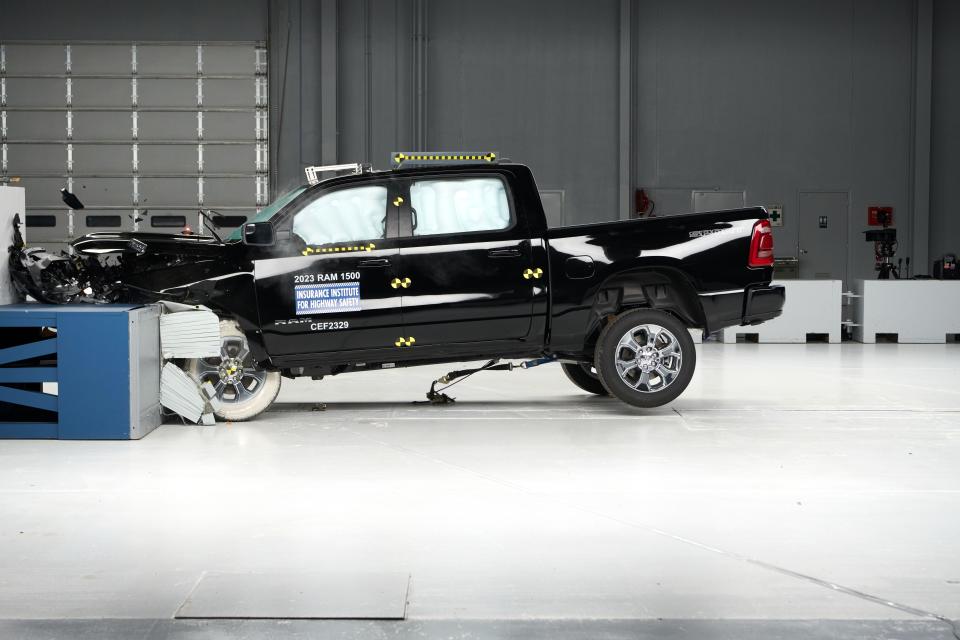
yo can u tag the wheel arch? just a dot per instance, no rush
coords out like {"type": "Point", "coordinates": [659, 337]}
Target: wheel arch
{"type": "Point", "coordinates": [659, 288]}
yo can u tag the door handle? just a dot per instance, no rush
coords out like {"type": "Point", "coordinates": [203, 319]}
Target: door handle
{"type": "Point", "coordinates": [504, 253]}
{"type": "Point", "coordinates": [374, 262]}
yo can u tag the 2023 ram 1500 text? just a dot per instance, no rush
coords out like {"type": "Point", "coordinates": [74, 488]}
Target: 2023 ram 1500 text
{"type": "Point", "coordinates": [436, 264]}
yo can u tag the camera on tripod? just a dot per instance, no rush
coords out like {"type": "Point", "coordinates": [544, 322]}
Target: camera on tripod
{"type": "Point", "coordinates": [884, 243]}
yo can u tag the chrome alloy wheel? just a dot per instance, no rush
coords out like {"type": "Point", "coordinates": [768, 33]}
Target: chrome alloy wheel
{"type": "Point", "coordinates": [648, 358]}
{"type": "Point", "coordinates": [232, 374]}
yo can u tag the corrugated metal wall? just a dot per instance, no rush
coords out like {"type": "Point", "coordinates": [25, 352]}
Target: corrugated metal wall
{"type": "Point", "coordinates": [771, 99]}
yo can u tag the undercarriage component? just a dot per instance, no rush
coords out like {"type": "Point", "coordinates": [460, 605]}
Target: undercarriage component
{"type": "Point", "coordinates": [435, 396]}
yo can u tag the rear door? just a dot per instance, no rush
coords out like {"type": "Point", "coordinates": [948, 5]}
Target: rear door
{"type": "Point", "coordinates": [327, 288]}
{"type": "Point", "coordinates": [467, 273]}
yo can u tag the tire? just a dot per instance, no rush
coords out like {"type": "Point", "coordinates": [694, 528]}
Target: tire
{"type": "Point", "coordinates": [662, 356]}
{"type": "Point", "coordinates": [582, 375]}
{"type": "Point", "coordinates": [246, 395]}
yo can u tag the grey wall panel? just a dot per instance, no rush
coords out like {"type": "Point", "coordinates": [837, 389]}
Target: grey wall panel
{"type": "Point", "coordinates": [229, 125]}
{"type": "Point", "coordinates": [43, 193]}
{"type": "Point", "coordinates": [166, 92]}
{"type": "Point", "coordinates": [167, 158]}
{"type": "Point", "coordinates": [37, 158]}
{"type": "Point", "coordinates": [99, 92]}
{"type": "Point", "coordinates": [227, 60]}
{"type": "Point", "coordinates": [101, 158]}
{"type": "Point", "coordinates": [35, 58]}
{"type": "Point", "coordinates": [36, 92]}
{"type": "Point", "coordinates": [98, 192]}
{"type": "Point", "coordinates": [101, 125]}
{"type": "Point", "coordinates": [185, 20]}
{"type": "Point", "coordinates": [167, 192]}
{"type": "Point", "coordinates": [775, 98]}
{"type": "Point", "coordinates": [540, 86]}
{"type": "Point", "coordinates": [166, 59]}
{"type": "Point", "coordinates": [233, 158]}
{"type": "Point", "coordinates": [945, 143]}
{"type": "Point", "coordinates": [158, 125]}
{"type": "Point", "coordinates": [227, 191]}
{"type": "Point", "coordinates": [42, 125]}
{"type": "Point", "coordinates": [228, 93]}
{"type": "Point", "coordinates": [101, 58]}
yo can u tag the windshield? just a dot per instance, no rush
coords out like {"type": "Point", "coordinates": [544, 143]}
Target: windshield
{"type": "Point", "coordinates": [270, 210]}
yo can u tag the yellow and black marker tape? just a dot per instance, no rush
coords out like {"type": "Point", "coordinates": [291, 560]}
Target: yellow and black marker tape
{"type": "Point", "coordinates": [405, 342]}
{"type": "Point", "coordinates": [309, 251]}
{"type": "Point", "coordinates": [399, 158]}
{"type": "Point", "coordinates": [396, 283]}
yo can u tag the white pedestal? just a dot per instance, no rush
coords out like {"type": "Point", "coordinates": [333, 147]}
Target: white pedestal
{"type": "Point", "coordinates": [921, 311]}
{"type": "Point", "coordinates": [812, 306]}
{"type": "Point", "coordinates": [12, 202]}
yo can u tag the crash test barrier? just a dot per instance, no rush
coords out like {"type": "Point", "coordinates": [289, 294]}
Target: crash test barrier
{"type": "Point", "coordinates": [80, 371]}
{"type": "Point", "coordinates": [906, 311]}
{"type": "Point", "coordinates": [812, 311]}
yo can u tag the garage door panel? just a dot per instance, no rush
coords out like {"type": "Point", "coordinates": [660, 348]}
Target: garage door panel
{"type": "Point", "coordinates": [114, 59]}
{"type": "Point", "coordinates": [166, 59]}
{"type": "Point", "coordinates": [43, 192]}
{"type": "Point", "coordinates": [232, 219]}
{"type": "Point", "coordinates": [166, 192]}
{"type": "Point", "coordinates": [101, 116]}
{"type": "Point", "coordinates": [234, 158]}
{"type": "Point", "coordinates": [228, 191]}
{"type": "Point", "coordinates": [155, 125]}
{"type": "Point", "coordinates": [102, 158]}
{"type": "Point", "coordinates": [36, 59]}
{"type": "Point", "coordinates": [102, 125]}
{"type": "Point", "coordinates": [228, 93]}
{"type": "Point", "coordinates": [40, 125]}
{"type": "Point", "coordinates": [168, 158]}
{"type": "Point", "coordinates": [168, 220]}
{"type": "Point", "coordinates": [167, 93]}
{"type": "Point", "coordinates": [98, 192]}
{"type": "Point", "coordinates": [46, 225]}
{"type": "Point", "coordinates": [226, 59]}
{"type": "Point", "coordinates": [36, 158]}
{"type": "Point", "coordinates": [229, 125]}
{"type": "Point", "coordinates": [36, 92]}
{"type": "Point", "coordinates": [92, 220]}
{"type": "Point", "coordinates": [100, 92]}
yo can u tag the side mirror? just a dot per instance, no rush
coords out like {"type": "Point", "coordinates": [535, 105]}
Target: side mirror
{"type": "Point", "coordinates": [258, 234]}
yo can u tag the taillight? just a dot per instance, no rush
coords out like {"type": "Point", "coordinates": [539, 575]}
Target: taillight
{"type": "Point", "coordinates": [761, 245]}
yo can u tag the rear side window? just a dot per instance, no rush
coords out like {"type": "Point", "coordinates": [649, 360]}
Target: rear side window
{"type": "Point", "coordinates": [345, 215]}
{"type": "Point", "coordinates": [459, 206]}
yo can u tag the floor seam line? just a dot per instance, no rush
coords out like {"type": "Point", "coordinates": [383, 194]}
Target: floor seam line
{"type": "Point", "coordinates": [915, 611]}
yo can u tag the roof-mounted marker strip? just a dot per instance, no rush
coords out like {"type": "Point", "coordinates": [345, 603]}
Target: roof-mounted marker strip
{"type": "Point", "coordinates": [427, 158]}
{"type": "Point", "coordinates": [313, 173]}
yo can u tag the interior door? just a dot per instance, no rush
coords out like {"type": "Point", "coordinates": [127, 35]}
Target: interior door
{"type": "Point", "coordinates": [328, 287]}
{"type": "Point", "coordinates": [823, 235]}
{"type": "Point", "coordinates": [467, 266]}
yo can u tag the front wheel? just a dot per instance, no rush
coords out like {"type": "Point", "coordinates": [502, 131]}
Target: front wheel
{"type": "Point", "coordinates": [645, 358]}
{"type": "Point", "coordinates": [243, 389]}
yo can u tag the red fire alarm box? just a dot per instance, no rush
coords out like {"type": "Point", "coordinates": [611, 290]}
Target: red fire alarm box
{"type": "Point", "coordinates": [879, 216]}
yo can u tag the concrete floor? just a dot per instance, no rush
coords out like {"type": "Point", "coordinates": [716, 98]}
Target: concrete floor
{"type": "Point", "coordinates": [792, 491]}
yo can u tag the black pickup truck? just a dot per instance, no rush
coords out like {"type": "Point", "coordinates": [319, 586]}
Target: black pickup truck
{"type": "Point", "coordinates": [434, 264]}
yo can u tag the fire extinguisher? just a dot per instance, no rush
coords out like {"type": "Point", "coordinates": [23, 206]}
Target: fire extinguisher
{"type": "Point", "coordinates": [643, 205]}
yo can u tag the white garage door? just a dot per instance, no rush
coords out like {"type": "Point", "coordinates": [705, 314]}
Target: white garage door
{"type": "Point", "coordinates": [145, 134]}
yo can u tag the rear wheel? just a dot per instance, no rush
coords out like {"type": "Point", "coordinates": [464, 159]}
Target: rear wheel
{"type": "Point", "coordinates": [243, 389]}
{"type": "Point", "coordinates": [646, 358]}
{"type": "Point", "coordinates": [584, 376]}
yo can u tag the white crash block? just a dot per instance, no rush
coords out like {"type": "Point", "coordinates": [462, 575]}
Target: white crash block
{"type": "Point", "coordinates": [920, 311]}
{"type": "Point", "coordinates": [812, 306]}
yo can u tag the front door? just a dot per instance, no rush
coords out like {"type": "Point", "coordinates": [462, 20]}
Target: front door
{"type": "Point", "coordinates": [466, 263]}
{"type": "Point", "coordinates": [328, 287]}
{"type": "Point", "coordinates": [823, 235]}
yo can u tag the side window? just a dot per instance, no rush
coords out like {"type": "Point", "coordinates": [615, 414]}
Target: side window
{"type": "Point", "coordinates": [345, 215]}
{"type": "Point", "coordinates": [459, 205]}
